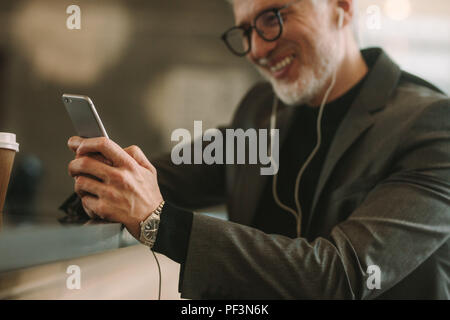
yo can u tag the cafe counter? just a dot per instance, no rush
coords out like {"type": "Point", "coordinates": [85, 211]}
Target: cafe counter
{"type": "Point", "coordinates": [40, 258]}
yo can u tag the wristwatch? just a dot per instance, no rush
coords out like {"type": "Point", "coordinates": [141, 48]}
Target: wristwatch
{"type": "Point", "coordinates": [149, 227]}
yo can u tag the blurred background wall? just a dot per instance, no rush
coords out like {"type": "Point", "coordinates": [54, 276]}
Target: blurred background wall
{"type": "Point", "coordinates": [415, 33]}
{"type": "Point", "coordinates": [154, 66]}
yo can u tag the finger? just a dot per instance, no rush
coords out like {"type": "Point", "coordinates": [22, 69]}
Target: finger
{"type": "Point", "coordinates": [87, 186]}
{"type": "Point", "coordinates": [99, 207]}
{"type": "Point", "coordinates": [89, 212]}
{"type": "Point", "coordinates": [108, 148]}
{"type": "Point", "coordinates": [92, 204]}
{"type": "Point", "coordinates": [98, 157]}
{"type": "Point", "coordinates": [74, 142]}
{"type": "Point", "coordinates": [89, 166]}
{"type": "Point", "coordinates": [137, 154]}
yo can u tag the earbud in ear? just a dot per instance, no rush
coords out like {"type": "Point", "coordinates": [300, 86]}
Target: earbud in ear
{"type": "Point", "coordinates": [341, 17]}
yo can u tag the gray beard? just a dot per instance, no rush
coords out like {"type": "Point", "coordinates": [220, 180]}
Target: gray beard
{"type": "Point", "coordinates": [306, 87]}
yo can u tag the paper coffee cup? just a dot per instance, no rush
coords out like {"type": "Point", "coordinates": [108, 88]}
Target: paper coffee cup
{"type": "Point", "coordinates": [8, 149]}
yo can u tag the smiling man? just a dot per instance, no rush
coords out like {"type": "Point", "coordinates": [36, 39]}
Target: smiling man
{"type": "Point", "coordinates": [359, 208]}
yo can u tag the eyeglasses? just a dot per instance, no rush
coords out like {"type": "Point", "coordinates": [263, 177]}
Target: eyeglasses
{"type": "Point", "coordinates": [268, 24]}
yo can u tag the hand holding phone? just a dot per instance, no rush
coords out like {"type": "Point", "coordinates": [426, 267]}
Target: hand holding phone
{"type": "Point", "coordinates": [87, 124]}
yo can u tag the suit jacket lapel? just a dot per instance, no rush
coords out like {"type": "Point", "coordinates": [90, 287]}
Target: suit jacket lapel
{"type": "Point", "coordinates": [378, 87]}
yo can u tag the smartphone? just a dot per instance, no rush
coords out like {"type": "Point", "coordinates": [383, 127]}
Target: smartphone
{"type": "Point", "coordinates": [84, 116]}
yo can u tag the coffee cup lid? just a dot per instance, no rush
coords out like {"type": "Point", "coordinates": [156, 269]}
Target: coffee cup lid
{"type": "Point", "coordinates": [8, 141]}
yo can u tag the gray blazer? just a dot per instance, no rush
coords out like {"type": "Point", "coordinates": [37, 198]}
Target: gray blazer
{"type": "Point", "coordinates": [382, 199]}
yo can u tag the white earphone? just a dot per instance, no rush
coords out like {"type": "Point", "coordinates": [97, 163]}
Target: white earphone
{"type": "Point", "coordinates": [341, 17]}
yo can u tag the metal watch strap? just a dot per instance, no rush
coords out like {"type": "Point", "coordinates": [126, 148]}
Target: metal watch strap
{"type": "Point", "coordinates": [149, 227]}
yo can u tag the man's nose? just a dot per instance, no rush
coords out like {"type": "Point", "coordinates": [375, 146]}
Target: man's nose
{"type": "Point", "coordinates": [260, 48]}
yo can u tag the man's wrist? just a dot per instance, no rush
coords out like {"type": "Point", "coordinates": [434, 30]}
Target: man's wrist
{"type": "Point", "coordinates": [149, 227]}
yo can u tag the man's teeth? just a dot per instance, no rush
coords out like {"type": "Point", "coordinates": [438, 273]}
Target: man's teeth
{"type": "Point", "coordinates": [283, 63]}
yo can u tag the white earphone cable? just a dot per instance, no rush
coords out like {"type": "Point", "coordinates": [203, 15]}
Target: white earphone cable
{"type": "Point", "coordinates": [275, 176]}
{"type": "Point", "coordinates": [298, 214]}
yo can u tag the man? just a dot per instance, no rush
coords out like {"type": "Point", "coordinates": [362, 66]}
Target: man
{"type": "Point", "coordinates": [373, 217]}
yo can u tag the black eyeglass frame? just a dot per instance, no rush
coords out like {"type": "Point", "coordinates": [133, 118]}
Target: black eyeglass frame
{"type": "Point", "coordinates": [248, 31]}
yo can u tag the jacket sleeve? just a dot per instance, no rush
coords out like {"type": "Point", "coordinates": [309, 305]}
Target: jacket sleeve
{"type": "Point", "coordinates": [400, 224]}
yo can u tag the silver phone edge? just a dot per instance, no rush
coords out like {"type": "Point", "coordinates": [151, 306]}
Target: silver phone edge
{"type": "Point", "coordinates": [93, 109]}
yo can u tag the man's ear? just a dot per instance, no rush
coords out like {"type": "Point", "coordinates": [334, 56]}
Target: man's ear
{"type": "Point", "coordinates": [347, 6]}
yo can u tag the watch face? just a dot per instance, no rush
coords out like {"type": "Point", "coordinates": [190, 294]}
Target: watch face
{"type": "Point", "coordinates": [151, 227]}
